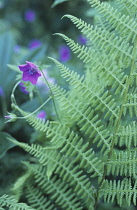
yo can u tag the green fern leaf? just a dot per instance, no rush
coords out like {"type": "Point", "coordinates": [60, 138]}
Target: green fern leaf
{"type": "Point", "coordinates": [37, 200]}
{"type": "Point", "coordinates": [118, 21]}
{"type": "Point", "coordinates": [10, 201]}
{"type": "Point", "coordinates": [123, 164]}
{"type": "Point", "coordinates": [127, 135]}
{"type": "Point", "coordinates": [99, 62]}
{"type": "Point", "coordinates": [107, 42]}
{"type": "Point", "coordinates": [119, 190]}
{"type": "Point", "coordinates": [59, 191]}
{"type": "Point", "coordinates": [104, 102]}
{"type": "Point", "coordinates": [63, 168]}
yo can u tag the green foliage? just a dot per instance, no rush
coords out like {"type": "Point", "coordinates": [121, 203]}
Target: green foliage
{"type": "Point", "coordinates": [56, 2]}
{"type": "Point", "coordinates": [10, 201]}
{"type": "Point", "coordinates": [89, 154]}
{"type": "Point", "coordinates": [5, 145]}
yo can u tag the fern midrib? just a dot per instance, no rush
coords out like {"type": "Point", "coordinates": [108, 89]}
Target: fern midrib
{"type": "Point", "coordinates": [117, 122]}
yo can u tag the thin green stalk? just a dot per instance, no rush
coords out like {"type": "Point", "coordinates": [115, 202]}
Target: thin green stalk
{"type": "Point", "coordinates": [52, 96]}
{"type": "Point", "coordinates": [14, 103]}
{"type": "Point", "coordinates": [33, 111]}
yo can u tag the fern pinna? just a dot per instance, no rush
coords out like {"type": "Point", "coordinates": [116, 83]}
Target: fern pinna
{"type": "Point", "coordinates": [91, 157]}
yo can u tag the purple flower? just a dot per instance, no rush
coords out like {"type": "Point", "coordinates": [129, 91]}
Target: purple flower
{"type": "Point", "coordinates": [82, 40]}
{"type": "Point", "coordinates": [41, 114]}
{"type": "Point", "coordinates": [17, 49]}
{"type": "Point", "coordinates": [64, 53]}
{"type": "Point", "coordinates": [34, 43]}
{"type": "Point", "coordinates": [23, 88]}
{"type": "Point", "coordinates": [30, 15]}
{"type": "Point", "coordinates": [30, 72]}
{"type": "Point", "coordinates": [1, 92]}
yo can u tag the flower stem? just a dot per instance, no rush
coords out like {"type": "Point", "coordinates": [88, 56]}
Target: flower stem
{"type": "Point", "coordinates": [52, 96]}
{"type": "Point", "coordinates": [14, 104]}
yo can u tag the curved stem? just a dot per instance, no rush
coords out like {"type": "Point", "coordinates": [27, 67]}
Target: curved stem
{"type": "Point", "coordinates": [12, 94]}
{"type": "Point", "coordinates": [33, 111]}
{"type": "Point", "coordinates": [52, 96]}
{"type": "Point", "coordinates": [14, 103]}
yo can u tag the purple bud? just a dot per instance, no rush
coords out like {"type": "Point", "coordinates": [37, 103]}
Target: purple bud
{"type": "Point", "coordinates": [30, 15]}
{"type": "Point", "coordinates": [64, 53]}
{"type": "Point", "coordinates": [23, 88]}
{"type": "Point", "coordinates": [1, 92]}
{"type": "Point", "coordinates": [34, 43]}
{"type": "Point", "coordinates": [82, 40]}
{"type": "Point", "coordinates": [17, 49]}
{"type": "Point", "coordinates": [11, 117]}
{"type": "Point", "coordinates": [41, 114]}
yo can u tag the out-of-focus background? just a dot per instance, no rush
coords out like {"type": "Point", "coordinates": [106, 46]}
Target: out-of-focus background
{"type": "Point", "coordinates": [27, 33]}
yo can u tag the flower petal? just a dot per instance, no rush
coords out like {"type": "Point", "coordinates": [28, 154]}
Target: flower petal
{"type": "Point", "coordinates": [25, 76]}
{"type": "Point", "coordinates": [24, 67]}
{"type": "Point", "coordinates": [32, 65]}
{"type": "Point", "coordinates": [33, 78]}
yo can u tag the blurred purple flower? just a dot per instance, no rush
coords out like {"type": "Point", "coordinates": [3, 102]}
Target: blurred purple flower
{"type": "Point", "coordinates": [82, 39]}
{"type": "Point", "coordinates": [30, 72]}
{"type": "Point", "coordinates": [30, 15]}
{"type": "Point", "coordinates": [16, 49]}
{"type": "Point", "coordinates": [64, 53]}
{"type": "Point", "coordinates": [1, 92]}
{"type": "Point", "coordinates": [34, 43]}
{"type": "Point", "coordinates": [23, 88]}
{"type": "Point", "coordinates": [41, 114]}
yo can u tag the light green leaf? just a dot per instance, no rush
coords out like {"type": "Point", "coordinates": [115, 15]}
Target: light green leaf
{"type": "Point", "coordinates": [13, 67]}
{"type": "Point", "coordinates": [5, 144]}
{"type": "Point", "coordinates": [56, 2]}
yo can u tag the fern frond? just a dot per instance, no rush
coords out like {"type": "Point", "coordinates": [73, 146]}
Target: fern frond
{"type": "Point", "coordinates": [130, 105]}
{"type": "Point", "coordinates": [37, 200]}
{"type": "Point", "coordinates": [87, 159]}
{"type": "Point", "coordinates": [37, 123]}
{"type": "Point", "coordinates": [64, 168]}
{"type": "Point", "coordinates": [123, 163]}
{"type": "Point", "coordinates": [127, 135]}
{"type": "Point", "coordinates": [98, 62]}
{"type": "Point", "coordinates": [83, 115]}
{"type": "Point", "coordinates": [11, 202]}
{"type": "Point", "coordinates": [73, 147]}
{"type": "Point", "coordinates": [131, 5]}
{"type": "Point", "coordinates": [118, 21]}
{"type": "Point", "coordinates": [19, 184]}
{"type": "Point", "coordinates": [104, 102]}
{"type": "Point", "coordinates": [59, 191]}
{"type": "Point", "coordinates": [106, 41]}
{"type": "Point", "coordinates": [61, 135]}
{"type": "Point", "coordinates": [120, 190]}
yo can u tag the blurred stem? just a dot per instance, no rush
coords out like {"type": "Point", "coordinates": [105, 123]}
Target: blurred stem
{"type": "Point", "coordinates": [52, 96]}
{"type": "Point", "coordinates": [39, 96]}
{"type": "Point", "coordinates": [13, 100]}
{"type": "Point", "coordinates": [4, 105]}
